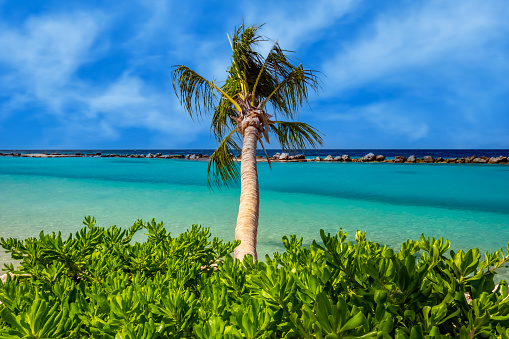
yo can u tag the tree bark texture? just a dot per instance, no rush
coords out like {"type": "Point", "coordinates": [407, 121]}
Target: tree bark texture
{"type": "Point", "coordinates": [247, 220]}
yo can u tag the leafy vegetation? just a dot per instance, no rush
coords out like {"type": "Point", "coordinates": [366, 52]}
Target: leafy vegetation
{"type": "Point", "coordinates": [100, 284]}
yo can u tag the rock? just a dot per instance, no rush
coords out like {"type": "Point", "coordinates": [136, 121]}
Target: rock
{"type": "Point", "coordinates": [300, 156]}
{"type": "Point", "coordinates": [439, 159]}
{"type": "Point", "coordinates": [479, 161]}
{"type": "Point", "coordinates": [451, 160]}
{"type": "Point", "coordinates": [98, 153]}
{"type": "Point", "coordinates": [428, 159]}
{"type": "Point", "coordinates": [276, 156]}
{"type": "Point", "coordinates": [494, 160]}
{"type": "Point", "coordinates": [291, 157]}
{"type": "Point", "coordinates": [338, 158]}
{"type": "Point", "coordinates": [368, 157]}
{"type": "Point", "coordinates": [411, 159]}
{"type": "Point", "coordinates": [399, 159]}
{"type": "Point", "coordinates": [380, 158]}
{"type": "Point", "coordinates": [346, 157]}
{"type": "Point", "coordinates": [158, 155]}
{"type": "Point", "coordinates": [150, 155]}
{"type": "Point", "coordinates": [318, 159]}
{"type": "Point", "coordinates": [284, 156]}
{"type": "Point", "coordinates": [328, 158]}
{"type": "Point", "coordinates": [503, 159]}
{"type": "Point", "coordinates": [470, 159]}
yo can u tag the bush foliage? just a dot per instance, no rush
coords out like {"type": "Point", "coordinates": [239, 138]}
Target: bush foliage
{"type": "Point", "coordinates": [99, 284]}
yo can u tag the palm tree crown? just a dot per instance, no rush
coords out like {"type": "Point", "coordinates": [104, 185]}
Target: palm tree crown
{"type": "Point", "coordinates": [239, 117]}
{"type": "Point", "coordinates": [253, 83]}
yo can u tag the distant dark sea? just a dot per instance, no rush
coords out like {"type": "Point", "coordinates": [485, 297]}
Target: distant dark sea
{"type": "Point", "coordinates": [389, 153]}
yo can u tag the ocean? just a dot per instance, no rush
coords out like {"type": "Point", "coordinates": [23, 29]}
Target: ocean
{"type": "Point", "coordinates": [466, 203]}
{"type": "Point", "coordinates": [310, 153]}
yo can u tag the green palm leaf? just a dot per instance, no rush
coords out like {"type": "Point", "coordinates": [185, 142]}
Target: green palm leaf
{"type": "Point", "coordinates": [292, 91]}
{"type": "Point", "coordinates": [222, 169]}
{"type": "Point", "coordinates": [195, 92]}
{"type": "Point", "coordinates": [293, 135]}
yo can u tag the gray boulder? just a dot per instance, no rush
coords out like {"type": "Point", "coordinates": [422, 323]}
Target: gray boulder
{"type": "Point", "coordinates": [318, 159]}
{"type": "Point", "coordinates": [299, 156]}
{"type": "Point", "coordinates": [276, 156]}
{"type": "Point", "coordinates": [328, 158]}
{"type": "Point", "coordinates": [399, 159]}
{"type": "Point", "coordinates": [284, 156]}
{"type": "Point", "coordinates": [428, 158]}
{"type": "Point", "coordinates": [411, 159]}
{"type": "Point", "coordinates": [479, 161]}
{"type": "Point", "coordinates": [346, 157]}
{"type": "Point", "coordinates": [368, 157]}
{"type": "Point", "coordinates": [338, 158]}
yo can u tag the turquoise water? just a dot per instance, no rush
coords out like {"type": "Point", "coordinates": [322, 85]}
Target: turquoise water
{"type": "Point", "coordinates": [393, 202]}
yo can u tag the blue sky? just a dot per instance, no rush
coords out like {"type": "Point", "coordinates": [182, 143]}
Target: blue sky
{"type": "Point", "coordinates": [395, 74]}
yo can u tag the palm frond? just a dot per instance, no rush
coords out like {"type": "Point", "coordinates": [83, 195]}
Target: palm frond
{"type": "Point", "coordinates": [292, 91]}
{"type": "Point", "coordinates": [223, 119]}
{"type": "Point", "coordinates": [261, 72]}
{"type": "Point", "coordinates": [195, 92]}
{"type": "Point", "coordinates": [222, 169]}
{"type": "Point", "coordinates": [293, 135]}
{"type": "Point", "coordinates": [246, 62]}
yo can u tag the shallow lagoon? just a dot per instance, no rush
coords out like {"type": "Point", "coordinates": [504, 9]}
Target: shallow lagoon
{"type": "Point", "coordinates": [393, 202]}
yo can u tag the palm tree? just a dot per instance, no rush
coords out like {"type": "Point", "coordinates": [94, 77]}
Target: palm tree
{"type": "Point", "coordinates": [239, 117]}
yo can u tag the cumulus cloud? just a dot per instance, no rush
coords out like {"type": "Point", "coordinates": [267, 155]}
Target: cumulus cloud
{"type": "Point", "coordinates": [296, 23]}
{"type": "Point", "coordinates": [43, 55]}
{"type": "Point", "coordinates": [42, 60]}
{"type": "Point", "coordinates": [447, 40]}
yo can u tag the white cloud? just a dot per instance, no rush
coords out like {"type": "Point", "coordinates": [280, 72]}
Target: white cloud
{"type": "Point", "coordinates": [129, 102]}
{"type": "Point", "coordinates": [389, 117]}
{"type": "Point", "coordinates": [423, 41]}
{"type": "Point", "coordinates": [296, 23]}
{"type": "Point", "coordinates": [45, 53]}
{"type": "Point", "coordinates": [42, 58]}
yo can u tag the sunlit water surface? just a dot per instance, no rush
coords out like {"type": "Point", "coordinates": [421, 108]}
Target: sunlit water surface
{"type": "Point", "coordinates": [393, 202]}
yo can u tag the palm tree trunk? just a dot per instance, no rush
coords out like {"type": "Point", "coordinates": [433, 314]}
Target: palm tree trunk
{"type": "Point", "coordinates": [247, 220]}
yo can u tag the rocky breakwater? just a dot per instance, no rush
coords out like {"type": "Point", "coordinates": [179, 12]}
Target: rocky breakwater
{"type": "Point", "coordinates": [285, 157]}
{"type": "Point", "coordinates": [412, 159]}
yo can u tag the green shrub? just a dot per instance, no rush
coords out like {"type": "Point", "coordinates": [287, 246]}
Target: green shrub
{"type": "Point", "coordinates": [98, 284]}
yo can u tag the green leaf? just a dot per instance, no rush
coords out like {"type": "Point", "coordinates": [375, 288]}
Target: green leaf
{"type": "Point", "coordinates": [353, 322]}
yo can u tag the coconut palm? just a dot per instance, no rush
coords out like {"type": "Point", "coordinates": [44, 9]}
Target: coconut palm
{"type": "Point", "coordinates": [238, 110]}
